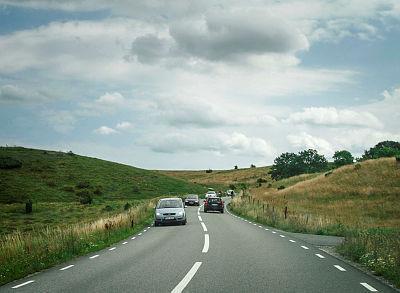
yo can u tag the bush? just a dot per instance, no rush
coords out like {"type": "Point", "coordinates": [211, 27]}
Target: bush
{"type": "Point", "coordinates": [209, 171]}
{"type": "Point", "coordinates": [98, 190]}
{"type": "Point", "coordinates": [328, 173]}
{"type": "Point", "coordinates": [28, 207]}
{"type": "Point", "coordinates": [9, 163]}
{"type": "Point", "coordinates": [383, 149]}
{"type": "Point", "coordinates": [127, 206]}
{"type": "Point", "coordinates": [261, 180]}
{"type": "Point", "coordinates": [236, 167]}
{"type": "Point", "coordinates": [232, 186]}
{"type": "Point", "coordinates": [83, 184]}
{"type": "Point", "coordinates": [357, 166]}
{"type": "Point", "coordinates": [108, 208]}
{"type": "Point", "coordinates": [252, 166]}
{"type": "Point", "coordinates": [135, 189]}
{"type": "Point", "coordinates": [86, 199]}
{"type": "Point", "coordinates": [68, 188]}
{"type": "Point", "coordinates": [281, 187]}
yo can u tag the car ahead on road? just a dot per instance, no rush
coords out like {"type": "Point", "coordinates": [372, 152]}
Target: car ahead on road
{"type": "Point", "coordinates": [192, 200]}
{"type": "Point", "coordinates": [170, 211]}
{"type": "Point", "coordinates": [211, 193]}
{"type": "Point", "coordinates": [214, 204]}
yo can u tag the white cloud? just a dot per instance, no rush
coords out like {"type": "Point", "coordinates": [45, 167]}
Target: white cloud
{"type": "Point", "coordinates": [108, 103]}
{"type": "Point", "coordinates": [61, 121]}
{"type": "Point", "coordinates": [221, 144]}
{"type": "Point", "coordinates": [308, 141]}
{"type": "Point", "coordinates": [11, 93]}
{"type": "Point", "coordinates": [124, 125]}
{"type": "Point", "coordinates": [331, 116]}
{"type": "Point", "coordinates": [105, 130]}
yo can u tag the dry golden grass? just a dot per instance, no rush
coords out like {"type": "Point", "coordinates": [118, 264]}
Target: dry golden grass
{"type": "Point", "coordinates": [222, 178]}
{"type": "Point", "coordinates": [363, 197]}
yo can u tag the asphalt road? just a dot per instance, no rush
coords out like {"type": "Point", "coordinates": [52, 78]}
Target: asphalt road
{"type": "Point", "coordinates": [213, 253]}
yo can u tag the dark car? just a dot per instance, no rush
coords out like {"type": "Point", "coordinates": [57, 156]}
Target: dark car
{"type": "Point", "coordinates": [192, 200]}
{"type": "Point", "coordinates": [214, 204]}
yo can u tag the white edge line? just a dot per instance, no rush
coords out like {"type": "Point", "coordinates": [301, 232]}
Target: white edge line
{"type": "Point", "coordinates": [94, 256]}
{"type": "Point", "coordinates": [182, 284]}
{"type": "Point", "coordinates": [23, 284]}
{"type": "Point", "coordinates": [139, 234]}
{"type": "Point", "coordinates": [206, 243]}
{"type": "Point", "coordinates": [66, 268]}
{"type": "Point", "coordinates": [125, 242]}
{"type": "Point", "coordinates": [282, 236]}
{"type": "Point", "coordinates": [133, 238]}
{"type": "Point", "coordinates": [320, 255]}
{"type": "Point", "coordinates": [112, 248]}
{"type": "Point", "coordinates": [200, 219]}
{"type": "Point", "coordinates": [292, 241]}
{"type": "Point", "coordinates": [305, 247]}
{"type": "Point", "coordinates": [339, 268]}
{"type": "Point", "coordinates": [369, 287]}
{"type": "Point", "coordinates": [204, 226]}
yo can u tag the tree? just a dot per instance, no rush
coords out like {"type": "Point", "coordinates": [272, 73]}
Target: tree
{"type": "Point", "coordinates": [291, 164]}
{"type": "Point", "coordinates": [342, 158]}
{"type": "Point", "coordinates": [383, 149]}
{"type": "Point", "coordinates": [286, 165]}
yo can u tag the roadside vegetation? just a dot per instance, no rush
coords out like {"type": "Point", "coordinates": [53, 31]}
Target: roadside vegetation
{"type": "Point", "coordinates": [360, 201]}
{"type": "Point", "coordinates": [55, 206]}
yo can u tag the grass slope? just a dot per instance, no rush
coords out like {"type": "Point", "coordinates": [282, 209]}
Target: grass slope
{"type": "Point", "coordinates": [221, 179]}
{"type": "Point", "coordinates": [55, 181]}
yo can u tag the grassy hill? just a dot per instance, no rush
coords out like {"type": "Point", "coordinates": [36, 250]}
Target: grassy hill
{"type": "Point", "coordinates": [221, 179]}
{"type": "Point", "coordinates": [56, 182]}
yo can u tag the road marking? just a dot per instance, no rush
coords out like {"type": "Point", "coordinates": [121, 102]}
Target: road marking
{"type": "Point", "coordinates": [282, 236]}
{"type": "Point", "coordinates": [182, 284]}
{"type": "Point", "coordinates": [206, 243]}
{"type": "Point", "coordinates": [292, 240]}
{"type": "Point", "coordinates": [259, 226]}
{"type": "Point", "coordinates": [266, 229]}
{"type": "Point", "coordinates": [23, 284]}
{"type": "Point", "coordinates": [369, 287]}
{"type": "Point", "coordinates": [148, 227]}
{"type": "Point", "coordinates": [145, 230]}
{"type": "Point", "coordinates": [250, 222]}
{"type": "Point", "coordinates": [66, 268]}
{"type": "Point", "coordinates": [112, 248]}
{"type": "Point", "coordinates": [305, 247]}
{"type": "Point", "coordinates": [204, 226]}
{"type": "Point", "coordinates": [133, 238]}
{"type": "Point", "coordinates": [125, 242]}
{"type": "Point", "coordinates": [274, 232]}
{"type": "Point", "coordinates": [198, 212]}
{"type": "Point", "coordinates": [340, 268]}
{"type": "Point", "coordinates": [139, 234]}
{"type": "Point", "coordinates": [94, 256]}
{"type": "Point", "coordinates": [255, 224]}
{"type": "Point", "coordinates": [200, 219]}
{"type": "Point", "coordinates": [320, 255]}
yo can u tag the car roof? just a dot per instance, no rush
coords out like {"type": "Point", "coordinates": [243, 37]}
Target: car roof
{"type": "Point", "coordinates": [170, 198]}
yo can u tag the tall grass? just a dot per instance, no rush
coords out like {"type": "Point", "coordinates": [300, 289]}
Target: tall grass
{"type": "Point", "coordinates": [24, 253]}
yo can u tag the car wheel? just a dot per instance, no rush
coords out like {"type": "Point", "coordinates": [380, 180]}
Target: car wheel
{"type": "Point", "coordinates": [155, 224]}
{"type": "Point", "coordinates": [205, 210]}
{"type": "Point", "coordinates": [222, 211]}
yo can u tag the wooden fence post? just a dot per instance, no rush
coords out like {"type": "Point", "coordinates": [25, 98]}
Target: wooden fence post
{"type": "Point", "coordinates": [285, 213]}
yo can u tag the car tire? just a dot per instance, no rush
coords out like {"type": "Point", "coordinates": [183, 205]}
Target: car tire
{"type": "Point", "coordinates": [222, 211]}
{"type": "Point", "coordinates": [205, 210]}
{"type": "Point", "coordinates": [156, 224]}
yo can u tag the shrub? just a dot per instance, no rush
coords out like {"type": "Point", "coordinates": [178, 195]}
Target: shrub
{"type": "Point", "coordinates": [328, 173]}
{"type": "Point", "coordinates": [357, 166]}
{"type": "Point", "coordinates": [232, 186]}
{"type": "Point", "coordinates": [252, 166]}
{"type": "Point", "coordinates": [97, 190]}
{"type": "Point", "coordinates": [135, 189]}
{"type": "Point", "coordinates": [269, 185]}
{"type": "Point", "coordinates": [71, 153]}
{"type": "Point", "coordinates": [28, 207]}
{"type": "Point", "coordinates": [281, 187]}
{"type": "Point", "coordinates": [236, 167]}
{"type": "Point", "coordinates": [9, 163]}
{"type": "Point", "coordinates": [261, 180]}
{"type": "Point", "coordinates": [127, 206]}
{"type": "Point", "coordinates": [83, 184]}
{"type": "Point", "coordinates": [209, 171]}
{"type": "Point", "coordinates": [86, 199]}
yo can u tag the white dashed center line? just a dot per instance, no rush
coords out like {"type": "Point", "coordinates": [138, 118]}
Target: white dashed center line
{"type": "Point", "coordinates": [305, 247]}
{"type": "Point", "coordinates": [66, 268]}
{"type": "Point", "coordinates": [200, 219]}
{"type": "Point", "coordinates": [320, 255]}
{"type": "Point", "coordinates": [369, 287]}
{"type": "Point", "coordinates": [274, 232]}
{"type": "Point", "coordinates": [125, 242]}
{"type": "Point", "coordinates": [204, 226]}
{"type": "Point", "coordinates": [292, 240]}
{"type": "Point", "coordinates": [112, 248]}
{"type": "Point", "coordinates": [94, 256]}
{"type": "Point", "coordinates": [340, 268]}
{"type": "Point", "coordinates": [23, 284]}
{"type": "Point", "coordinates": [182, 284]}
{"type": "Point", "coordinates": [206, 243]}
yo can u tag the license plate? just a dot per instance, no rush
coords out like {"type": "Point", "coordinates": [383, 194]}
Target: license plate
{"type": "Point", "coordinates": [214, 204]}
{"type": "Point", "coordinates": [169, 218]}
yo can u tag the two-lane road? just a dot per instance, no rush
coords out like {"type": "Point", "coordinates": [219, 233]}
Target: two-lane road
{"type": "Point", "coordinates": [213, 253]}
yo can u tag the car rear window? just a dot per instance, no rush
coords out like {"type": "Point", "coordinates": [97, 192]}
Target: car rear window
{"type": "Point", "coordinates": [214, 200]}
{"type": "Point", "coordinates": [171, 203]}
{"type": "Point", "coordinates": [193, 197]}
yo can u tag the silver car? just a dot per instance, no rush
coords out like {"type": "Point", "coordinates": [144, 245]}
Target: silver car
{"type": "Point", "coordinates": [170, 211]}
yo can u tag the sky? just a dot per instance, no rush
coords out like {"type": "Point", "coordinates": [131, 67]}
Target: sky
{"type": "Point", "coordinates": [199, 84]}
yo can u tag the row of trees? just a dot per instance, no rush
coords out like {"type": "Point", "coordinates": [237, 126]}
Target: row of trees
{"type": "Point", "coordinates": [309, 161]}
